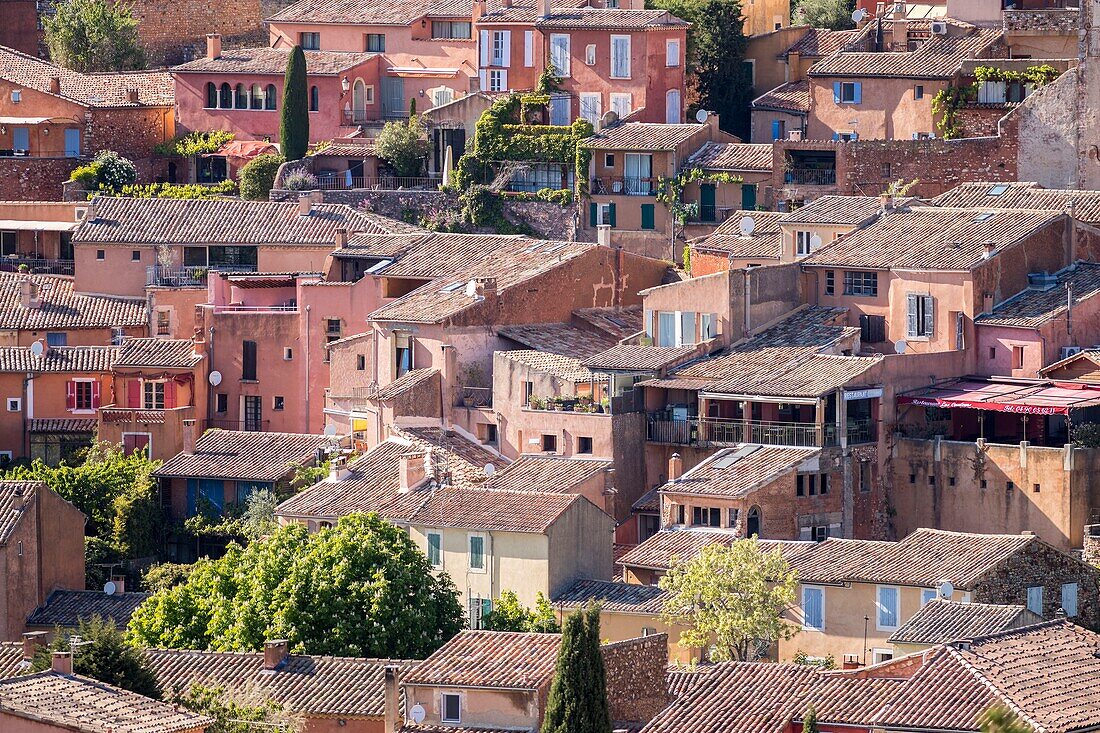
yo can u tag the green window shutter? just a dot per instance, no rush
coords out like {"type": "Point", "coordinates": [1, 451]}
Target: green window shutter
{"type": "Point", "coordinates": [647, 216]}
{"type": "Point", "coordinates": [611, 215]}
{"type": "Point", "coordinates": [593, 215]}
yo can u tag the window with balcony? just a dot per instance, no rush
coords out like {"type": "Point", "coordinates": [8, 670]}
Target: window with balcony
{"type": "Point", "coordinates": [152, 396]}
{"type": "Point", "coordinates": [9, 243]}
{"type": "Point", "coordinates": [637, 174]}
{"type": "Point", "coordinates": [861, 283]}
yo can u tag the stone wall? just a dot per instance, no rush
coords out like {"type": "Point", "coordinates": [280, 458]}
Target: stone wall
{"type": "Point", "coordinates": [636, 687]}
{"type": "Point", "coordinates": [173, 31]}
{"type": "Point", "coordinates": [30, 179]}
{"type": "Point", "coordinates": [1090, 552]}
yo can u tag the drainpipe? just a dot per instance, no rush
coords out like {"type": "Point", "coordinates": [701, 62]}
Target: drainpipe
{"type": "Point", "coordinates": [308, 309]}
{"type": "Point", "coordinates": [28, 411]}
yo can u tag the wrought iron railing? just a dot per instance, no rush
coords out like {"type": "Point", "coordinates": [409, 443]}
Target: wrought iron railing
{"type": "Point", "coordinates": [811, 176]}
{"type": "Point", "coordinates": [188, 275]}
{"type": "Point", "coordinates": [624, 186]}
{"type": "Point", "coordinates": [718, 431]}
{"type": "Point", "coordinates": [378, 183]}
{"type": "Point", "coordinates": [36, 265]}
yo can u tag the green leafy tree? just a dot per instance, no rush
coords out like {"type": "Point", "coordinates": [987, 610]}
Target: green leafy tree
{"type": "Point", "coordinates": [165, 575]}
{"type": "Point", "coordinates": [999, 719]}
{"type": "Point", "coordinates": [99, 555]}
{"type": "Point", "coordinates": [103, 654]}
{"type": "Point", "coordinates": [360, 589]}
{"type": "Point", "coordinates": [258, 176]}
{"type": "Point", "coordinates": [402, 144]}
{"type": "Point", "coordinates": [809, 721]}
{"type": "Point", "coordinates": [578, 694]}
{"type": "Point", "coordinates": [731, 599]}
{"type": "Point", "coordinates": [509, 614]}
{"type": "Point", "coordinates": [237, 711]}
{"type": "Point", "coordinates": [93, 35]}
{"type": "Point", "coordinates": [549, 81]}
{"type": "Point", "coordinates": [832, 14]}
{"type": "Point", "coordinates": [138, 516]}
{"type": "Point", "coordinates": [294, 117]}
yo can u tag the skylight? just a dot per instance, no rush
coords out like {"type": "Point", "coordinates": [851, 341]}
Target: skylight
{"type": "Point", "coordinates": [985, 215]}
{"type": "Point", "coordinates": [453, 287]}
{"type": "Point", "coordinates": [997, 190]}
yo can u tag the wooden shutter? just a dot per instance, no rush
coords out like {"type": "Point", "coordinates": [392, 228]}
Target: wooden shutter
{"type": "Point", "coordinates": [169, 394]}
{"type": "Point", "coordinates": [911, 315]}
{"type": "Point", "coordinates": [836, 92]}
{"type": "Point", "coordinates": [857, 96]}
{"type": "Point", "coordinates": [483, 42]}
{"type": "Point", "coordinates": [95, 395]}
{"type": "Point", "coordinates": [133, 393]}
{"type": "Point", "coordinates": [611, 215]}
{"type": "Point", "coordinates": [593, 214]}
{"type": "Point", "coordinates": [507, 60]}
{"type": "Point", "coordinates": [929, 315]}
{"type": "Point", "coordinates": [70, 395]}
{"type": "Point", "coordinates": [647, 216]}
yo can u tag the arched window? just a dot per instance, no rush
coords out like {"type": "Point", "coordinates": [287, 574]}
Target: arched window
{"type": "Point", "coordinates": [314, 99]}
{"type": "Point", "coordinates": [752, 527]}
{"type": "Point", "coordinates": [211, 95]}
{"type": "Point", "coordinates": [257, 97]}
{"type": "Point", "coordinates": [269, 97]}
{"type": "Point", "coordinates": [226, 100]}
{"type": "Point", "coordinates": [241, 96]}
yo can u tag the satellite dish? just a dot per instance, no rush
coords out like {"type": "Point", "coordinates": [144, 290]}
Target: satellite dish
{"type": "Point", "coordinates": [37, 348]}
{"type": "Point", "coordinates": [109, 587]}
{"type": "Point", "coordinates": [416, 712]}
{"type": "Point", "coordinates": [858, 15]}
{"type": "Point", "coordinates": [330, 430]}
{"type": "Point", "coordinates": [490, 469]}
{"type": "Point", "coordinates": [900, 346]}
{"type": "Point", "coordinates": [945, 589]}
{"type": "Point", "coordinates": [748, 226]}
{"type": "Point", "coordinates": [215, 378]}
{"type": "Point", "coordinates": [701, 116]}
{"type": "Point", "coordinates": [815, 241]}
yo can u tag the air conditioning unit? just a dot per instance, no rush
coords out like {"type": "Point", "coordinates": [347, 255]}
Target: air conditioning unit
{"type": "Point", "coordinates": [939, 28]}
{"type": "Point", "coordinates": [795, 135]}
{"type": "Point", "coordinates": [1068, 351]}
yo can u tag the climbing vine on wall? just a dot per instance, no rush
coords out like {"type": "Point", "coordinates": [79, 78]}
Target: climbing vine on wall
{"type": "Point", "coordinates": [670, 190]}
{"type": "Point", "coordinates": [949, 101]}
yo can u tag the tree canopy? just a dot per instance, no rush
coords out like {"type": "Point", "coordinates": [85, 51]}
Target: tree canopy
{"type": "Point", "coordinates": [832, 14]}
{"type": "Point", "coordinates": [362, 588]}
{"type": "Point", "coordinates": [258, 176]}
{"type": "Point", "coordinates": [509, 614]}
{"type": "Point", "coordinates": [731, 599]}
{"type": "Point", "coordinates": [402, 144]}
{"type": "Point", "coordinates": [999, 719]}
{"type": "Point", "coordinates": [93, 35]}
{"type": "Point", "coordinates": [578, 694]}
{"type": "Point", "coordinates": [294, 115]}
{"type": "Point", "coordinates": [102, 654]}
{"type": "Point", "coordinates": [239, 711]}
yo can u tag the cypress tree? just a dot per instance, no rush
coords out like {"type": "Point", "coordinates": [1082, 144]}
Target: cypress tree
{"type": "Point", "coordinates": [809, 721]}
{"type": "Point", "coordinates": [578, 695]}
{"type": "Point", "coordinates": [294, 117]}
{"type": "Point", "coordinates": [598, 712]}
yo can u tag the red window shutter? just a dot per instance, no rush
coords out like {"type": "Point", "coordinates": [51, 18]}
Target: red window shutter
{"type": "Point", "coordinates": [169, 394]}
{"type": "Point", "coordinates": [95, 395]}
{"type": "Point", "coordinates": [133, 393]}
{"type": "Point", "coordinates": [70, 395]}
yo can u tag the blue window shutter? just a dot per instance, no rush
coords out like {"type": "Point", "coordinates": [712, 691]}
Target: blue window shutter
{"type": "Point", "coordinates": [775, 129]}
{"type": "Point", "coordinates": [836, 136]}
{"type": "Point", "coordinates": [916, 135]}
{"type": "Point", "coordinates": [836, 92]}
{"type": "Point", "coordinates": [858, 92]}
{"type": "Point", "coordinates": [593, 215]}
{"type": "Point", "coordinates": [611, 215]}
{"type": "Point", "coordinates": [855, 135]}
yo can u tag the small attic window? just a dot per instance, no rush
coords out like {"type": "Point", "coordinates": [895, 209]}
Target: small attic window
{"type": "Point", "coordinates": [997, 190]}
{"type": "Point", "coordinates": [985, 215]}
{"type": "Point", "coordinates": [453, 287]}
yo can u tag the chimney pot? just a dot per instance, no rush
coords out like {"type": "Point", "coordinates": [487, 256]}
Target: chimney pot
{"type": "Point", "coordinates": [132, 94]}
{"type": "Point", "coordinates": [189, 437]}
{"type": "Point", "coordinates": [485, 286]}
{"type": "Point", "coordinates": [341, 238]}
{"type": "Point", "coordinates": [603, 235]}
{"type": "Point", "coordinates": [28, 293]}
{"type": "Point", "coordinates": [987, 249]}
{"type": "Point", "coordinates": [55, 85]}
{"type": "Point", "coordinates": [675, 467]}
{"type": "Point", "coordinates": [62, 662]}
{"type": "Point", "coordinates": [413, 470]}
{"type": "Point", "coordinates": [851, 661]}
{"type": "Point", "coordinates": [506, 3]}
{"type": "Point", "coordinates": [213, 45]}
{"type": "Point", "coordinates": [275, 654]}
{"type": "Point", "coordinates": [31, 641]}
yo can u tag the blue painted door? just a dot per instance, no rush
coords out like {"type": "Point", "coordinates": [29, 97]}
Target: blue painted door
{"type": "Point", "coordinates": [72, 143]}
{"type": "Point", "coordinates": [21, 138]}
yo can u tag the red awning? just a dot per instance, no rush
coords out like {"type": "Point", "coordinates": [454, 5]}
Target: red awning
{"type": "Point", "coordinates": [244, 149]}
{"type": "Point", "coordinates": [1024, 398]}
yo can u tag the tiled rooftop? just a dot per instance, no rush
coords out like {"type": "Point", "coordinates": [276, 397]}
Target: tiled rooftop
{"type": "Point", "coordinates": [566, 368]}
{"type": "Point", "coordinates": [405, 383]}
{"type": "Point", "coordinates": [75, 359]}
{"type": "Point", "coordinates": [475, 508]}
{"type": "Point", "coordinates": [1023, 195]}
{"type": "Point", "coordinates": [765, 242]}
{"type": "Point", "coordinates": [819, 42]}
{"type": "Point", "coordinates": [792, 96]}
{"type": "Point", "coordinates": [620, 322]}
{"type": "Point", "coordinates": [154, 88]}
{"type": "Point", "coordinates": [559, 339]}
{"type": "Point", "coordinates": [431, 254]}
{"type": "Point", "coordinates": [940, 621]}
{"type": "Point", "coordinates": [613, 597]}
{"type": "Point", "coordinates": [62, 309]}
{"type": "Point", "coordinates": [16, 497]}
{"type": "Point", "coordinates": [67, 608]}
{"type": "Point", "coordinates": [838, 210]}
{"type": "Point", "coordinates": [735, 157]}
{"type": "Point", "coordinates": [272, 62]}
{"type": "Point", "coordinates": [244, 455]}
{"type": "Point", "coordinates": [369, 12]}
{"type": "Point", "coordinates": [646, 136]}
{"type": "Point", "coordinates": [939, 57]}
{"type": "Point", "coordinates": [157, 353]}
{"type": "Point", "coordinates": [638, 358]}
{"type": "Point", "coordinates": [551, 474]}
{"type": "Point", "coordinates": [734, 473]}
{"type": "Point", "coordinates": [606, 19]}
{"type": "Point", "coordinates": [501, 660]}
{"type": "Point", "coordinates": [1038, 305]}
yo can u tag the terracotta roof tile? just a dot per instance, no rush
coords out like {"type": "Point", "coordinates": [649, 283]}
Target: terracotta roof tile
{"type": "Point", "coordinates": [76, 359]}
{"type": "Point", "coordinates": [755, 157]}
{"type": "Point", "coordinates": [682, 680]}
{"type": "Point", "coordinates": [1043, 303]}
{"type": "Point", "coordinates": [765, 242]}
{"type": "Point", "coordinates": [607, 19]}
{"type": "Point", "coordinates": [112, 89]}
{"type": "Point", "coordinates": [792, 96]}
{"type": "Point", "coordinates": [116, 220]}
{"type": "Point", "coordinates": [649, 502]}
{"type": "Point", "coordinates": [839, 210]}
{"type": "Point", "coordinates": [62, 309]}
{"type": "Point", "coordinates": [497, 659]}
{"type": "Point", "coordinates": [62, 425]}
{"type": "Point", "coordinates": [1025, 196]}
{"type": "Point", "coordinates": [428, 255]}
{"type": "Point", "coordinates": [563, 367]}
{"type": "Point", "coordinates": [559, 339]}
{"type": "Point", "coordinates": [406, 382]}
{"type": "Point", "coordinates": [941, 621]}
{"type": "Point", "coordinates": [157, 353]}
{"type": "Point", "coordinates": [495, 511]}
{"type": "Point", "coordinates": [613, 597]}
{"type": "Point", "coordinates": [313, 685]}
{"type": "Point", "coordinates": [737, 472]}
{"type": "Point", "coordinates": [620, 322]}
{"type": "Point", "coordinates": [657, 552]}
{"type": "Point", "coordinates": [369, 12]}
{"type": "Point", "coordinates": [551, 474]}
{"type": "Point", "coordinates": [939, 57]}
{"type": "Point", "coordinates": [638, 358]}
{"type": "Point", "coordinates": [244, 455]}
{"type": "Point", "coordinates": [819, 42]}
{"type": "Point", "coordinates": [847, 698]}
{"type": "Point", "coordinates": [67, 608]}
{"type": "Point", "coordinates": [643, 136]}
{"type": "Point", "coordinates": [272, 61]}
{"type": "Point", "coordinates": [89, 706]}
{"type": "Point", "coordinates": [16, 497]}
{"type": "Point", "coordinates": [11, 659]}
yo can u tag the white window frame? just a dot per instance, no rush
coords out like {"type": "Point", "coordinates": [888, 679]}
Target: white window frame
{"type": "Point", "coordinates": [153, 383]}
{"type": "Point", "coordinates": [625, 101]}
{"type": "Point", "coordinates": [560, 57]}
{"type": "Point", "coordinates": [878, 654]}
{"type": "Point", "coordinates": [78, 410]}
{"type": "Point", "coordinates": [498, 80]}
{"type": "Point", "coordinates": [14, 404]}
{"type": "Point", "coordinates": [616, 39]}
{"type": "Point", "coordinates": [802, 243]}
{"type": "Point", "coordinates": [587, 111]}
{"type": "Point", "coordinates": [499, 49]}
{"type": "Point", "coordinates": [805, 621]}
{"type": "Point", "coordinates": [590, 54]}
{"type": "Point", "coordinates": [672, 53]}
{"type": "Point", "coordinates": [428, 548]}
{"type": "Point", "coordinates": [443, 707]}
{"type": "Point", "coordinates": [470, 554]}
{"type": "Point", "coordinates": [1070, 612]}
{"type": "Point", "coordinates": [1031, 605]}
{"type": "Point", "coordinates": [880, 607]}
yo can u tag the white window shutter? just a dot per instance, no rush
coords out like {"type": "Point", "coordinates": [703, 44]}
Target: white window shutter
{"type": "Point", "coordinates": [911, 320]}
{"type": "Point", "coordinates": [504, 81]}
{"type": "Point", "coordinates": [528, 48]}
{"type": "Point", "coordinates": [929, 315]}
{"type": "Point", "coordinates": [483, 43]}
{"type": "Point", "coordinates": [507, 61]}
{"type": "Point", "coordinates": [484, 84]}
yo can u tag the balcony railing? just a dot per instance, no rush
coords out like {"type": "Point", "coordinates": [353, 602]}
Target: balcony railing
{"type": "Point", "coordinates": [36, 265]}
{"type": "Point", "coordinates": [705, 432]}
{"type": "Point", "coordinates": [625, 186]}
{"type": "Point", "coordinates": [379, 183]}
{"type": "Point", "coordinates": [187, 276]}
{"type": "Point", "coordinates": [473, 397]}
{"type": "Point", "coordinates": [811, 176]}
{"type": "Point", "coordinates": [11, 153]}
{"type": "Point", "coordinates": [289, 307]}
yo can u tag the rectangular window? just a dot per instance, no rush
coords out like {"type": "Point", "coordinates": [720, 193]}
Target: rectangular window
{"type": "Point", "coordinates": [926, 595]}
{"type": "Point", "coordinates": [918, 91]}
{"type": "Point", "coordinates": [15, 404]}
{"type": "Point", "coordinates": [1035, 599]}
{"type": "Point", "coordinates": [1069, 599]}
{"type": "Point", "coordinates": [403, 355]}
{"type": "Point", "coordinates": [477, 552]}
{"type": "Point", "coordinates": [708, 326]}
{"type": "Point", "coordinates": [609, 160]}
{"type": "Point", "coordinates": [702, 516]}
{"type": "Point", "coordinates": [813, 608]}
{"type": "Point", "coordinates": [360, 362]}
{"type": "Point", "coordinates": [248, 360]}
{"type": "Point", "coordinates": [620, 104]}
{"type": "Point", "coordinates": [888, 600]}
{"type": "Point", "coordinates": [872, 329]}
{"type": "Point", "coordinates": [451, 29]}
{"type": "Point", "coordinates": [9, 243]}
{"type": "Point", "coordinates": [135, 255]}
{"type": "Point", "coordinates": [864, 477]}
{"type": "Point", "coordinates": [921, 316]}
{"type": "Point", "coordinates": [847, 92]}
{"type": "Point", "coordinates": [376, 42]}
{"type": "Point", "coordinates": [164, 322]}
{"type": "Point", "coordinates": [802, 243]}
{"type": "Point", "coordinates": [253, 412]}
{"type": "Point", "coordinates": [590, 54]}
{"type": "Point", "coordinates": [591, 106]}
{"type": "Point", "coordinates": [687, 329]}
{"type": "Point", "coordinates": [529, 49]}
{"type": "Point", "coordinates": [435, 549]}
{"type": "Point", "coordinates": [584, 444]}
{"type": "Point", "coordinates": [549, 443]}
{"type": "Point", "coordinates": [620, 57]}
{"type": "Point", "coordinates": [881, 655]}
{"type": "Point", "coordinates": [221, 402]}
{"type": "Point", "coordinates": [672, 52]}
{"type": "Point", "coordinates": [666, 328]}
{"type": "Point", "coordinates": [800, 485]}
{"type": "Point", "coordinates": [451, 708]}
{"type": "Point", "coordinates": [152, 396]}
{"type": "Point", "coordinates": [84, 391]}
{"type": "Point", "coordinates": [57, 338]}
{"type": "Point", "coordinates": [830, 282]}
{"type": "Point", "coordinates": [501, 50]}
{"type": "Point", "coordinates": [559, 53]}
{"type": "Point", "coordinates": [861, 283]}
{"type": "Point", "coordinates": [277, 402]}
{"type": "Point", "coordinates": [309, 41]}
{"type": "Point", "coordinates": [1017, 357]}
{"type": "Point", "coordinates": [648, 217]}
{"type": "Point", "coordinates": [498, 80]}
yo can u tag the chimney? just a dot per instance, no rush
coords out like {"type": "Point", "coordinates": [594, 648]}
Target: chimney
{"type": "Point", "coordinates": [213, 45]}
{"type": "Point", "coordinates": [341, 238]}
{"type": "Point", "coordinates": [189, 437]}
{"type": "Point", "coordinates": [120, 584]}
{"type": "Point", "coordinates": [479, 10]}
{"type": "Point", "coordinates": [987, 249]}
{"type": "Point", "coordinates": [485, 287]}
{"type": "Point", "coordinates": [987, 302]}
{"type": "Point", "coordinates": [794, 66]}
{"type": "Point", "coordinates": [132, 95]}
{"type": "Point", "coordinates": [31, 641]}
{"type": "Point", "coordinates": [62, 662]}
{"type": "Point", "coordinates": [28, 293]}
{"type": "Point", "coordinates": [390, 712]}
{"type": "Point", "coordinates": [506, 3]}
{"type": "Point", "coordinates": [851, 661]}
{"type": "Point", "coordinates": [886, 201]}
{"type": "Point", "coordinates": [305, 204]}
{"type": "Point", "coordinates": [603, 235]}
{"type": "Point", "coordinates": [675, 467]}
{"type": "Point", "coordinates": [275, 654]}
{"type": "Point", "coordinates": [545, 5]}
{"type": "Point", "coordinates": [55, 85]}
{"type": "Point", "coordinates": [412, 470]}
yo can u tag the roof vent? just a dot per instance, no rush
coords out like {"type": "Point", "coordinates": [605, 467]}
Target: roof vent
{"type": "Point", "coordinates": [1041, 281]}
